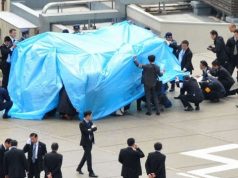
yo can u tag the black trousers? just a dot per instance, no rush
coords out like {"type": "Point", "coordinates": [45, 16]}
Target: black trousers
{"type": "Point", "coordinates": [34, 170]}
{"type": "Point", "coordinates": [132, 177]}
{"type": "Point", "coordinates": [187, 99]}
{"type": "Point", "coordinates": [150, 92]}
{"type": "Point", "coordinates": [87, 156]}
{"type": "Point", "coordinates": [5, 67]}
{"type": "Point", "coordinates": [7, 106]}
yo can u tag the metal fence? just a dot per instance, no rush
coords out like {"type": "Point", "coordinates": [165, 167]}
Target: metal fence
{"type": "Point", "coordinates": [228, 7]}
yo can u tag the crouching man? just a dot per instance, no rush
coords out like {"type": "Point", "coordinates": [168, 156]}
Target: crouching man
{"type": "Point", "coordinates": [190, 93]}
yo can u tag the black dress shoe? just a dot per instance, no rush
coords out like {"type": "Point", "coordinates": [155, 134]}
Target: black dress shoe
{"type": "Point", "coordinates": [92, 175]}
{"type": "Point", "coordinates": [148, 113]}
{"type": "Point", "coordinates": [171, 90]}
{"type": "Point", "coordinates": [79, 171]}
{"type": "Point", "coordinates": [197, 108]}
{"type": "Point", "coordinates": [157, 113]}
{"type": "Point", "coordinates": [189, 109]}
{"type": "Point", "coordinates": [176, 97]}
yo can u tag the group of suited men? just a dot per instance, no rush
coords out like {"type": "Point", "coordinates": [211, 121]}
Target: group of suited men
{"type": "Point", "coordinates": [215, 82]}
{"type": "Point", "coordinates": [14, 164]}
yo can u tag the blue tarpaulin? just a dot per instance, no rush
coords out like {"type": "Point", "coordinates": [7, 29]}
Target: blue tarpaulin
{"type": "Point", "coordinates": [96, 69]}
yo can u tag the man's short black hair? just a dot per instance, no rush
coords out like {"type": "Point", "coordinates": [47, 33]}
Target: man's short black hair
{"type": "Point", "coordinates": [185, 42]}
{"type": "Point", "coordinates": [204, 63]}
{"type": "Point", "coordinates": [33, 135]}
{"type": "Point", "coordinates": [14, 143]}
{"type": "Point", "coordinates": [214, 32]}
{"type": "Point", "coordinates": [158, 146]}
{"type": "Point", "coordinates": [7, 39]}
{"type": "Point", "coordinates": [55, 146]}
{"type": "Point", "coordinates": [151, 58]}
{"type": "Point", "coordinates": [8, 141]}
{"type": "Point", "coordinates": [236, 31]}
{"type": "Point", "coordinates": [215, 63]}
{"type": "Point", "coordinates": [87, 113]}
{"type": "Point", "coordinates": [12, 30]}
{"type": "Point", "coordinates": [130, 141]}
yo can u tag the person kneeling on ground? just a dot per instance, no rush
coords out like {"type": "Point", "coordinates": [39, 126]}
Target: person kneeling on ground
{"type": "Point", "coordinates": [212, 89]}
{"type": "Point", "coordinates": [5, 102]}
{"type": "Point", "coordinates": [224, 77]}
{"type": "Point", "coordinates": [193, 93]}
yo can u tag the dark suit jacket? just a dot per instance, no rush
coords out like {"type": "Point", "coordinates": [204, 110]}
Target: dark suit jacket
{"type": "Point", "coordinates": [205, 73]}
{"type": "Point", "coordinates": [187, 60]}
{"type": "Point", "coordinates": [86, 134]}
{"type": "Point", "coordinates": [2, 151]}
{"type": "Point", "coordinates": [5, 51]}
{"type": "Point", "coordinates": [220, 50]}
{"type": "Point", "coordinates": [28, 148]}
{"type": "Point", "coordinates": [15, 163]}
{"type": "Point", "coordinates": [52, 164]}
{"type": "Point", "coordinates": [230, 45]}
{"type": "Point", "coordinates": [224, 77]}
{"type": "Point", "coordinates": [192, 89]}
{"type": "Point", "coordinates": [130, 160]}
{"type": "Point", "coordinates": [155, 163]}
{"type": "Point", "coordinates": [150, 74]}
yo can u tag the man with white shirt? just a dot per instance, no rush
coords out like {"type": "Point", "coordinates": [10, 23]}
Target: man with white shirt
{"type": "Point", "coordinates": [87, 140]}
{"type": "Point", "coordinates": [36, 151]}
{"type": "Point", "coordinates": [4, 148]}
{"type": "Point", "coordinates": [13, 35]}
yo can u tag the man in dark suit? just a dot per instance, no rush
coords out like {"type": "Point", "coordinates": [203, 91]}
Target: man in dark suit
{"type": "Point", "coordinates": [87, 129]}
{"type": "Point", "coordinates": [130, 159]}
{"type": "Point", "coordinates": [206, 70]}
{"type": "Point", "coordinates": [36, 151]}
{"type": "Point", "coordinates": [53, 162]}
{"type": "Point", "coordinates": [155, 163]}
{"type": "Point", "coordinates": [184, 56]}
{"type": "Point", "coordinates": [4, 148]}
{"type": "Point", "coordinates": [190, 92]}
{"type": "Point", "coordinates": [6, 51]}
{"type": "Point", "coordinates": [220, 50]}
{"type": "Point", "coordinates": [232, 48]}
{"type": "Point", "coordinates": [224, 77]}
{"type": "Point", "coordinates": [5, 102]}
{"type": "Point", "coordinates": [15, 163]}
{"type": "Point", "coordinates": [150, 76]}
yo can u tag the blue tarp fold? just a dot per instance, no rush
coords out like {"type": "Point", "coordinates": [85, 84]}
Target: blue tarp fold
{"type": "Point", "coordinates": [96, 69]}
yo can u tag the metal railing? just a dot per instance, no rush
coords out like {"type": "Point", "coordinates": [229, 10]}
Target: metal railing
{"type": "Point", "coordinates": [61, 5]}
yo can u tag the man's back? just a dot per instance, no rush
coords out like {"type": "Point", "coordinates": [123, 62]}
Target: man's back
{"type": "Point", "coordinates": [15, 163]}
{"type": "Point", "coordinates": [53, 163]}
{"type": "Point", "coordinates": [155, 163]}
{"type": "Point", "coordinates": [150, 74]}
{"type": "Point", "coordinates": [130, 160]}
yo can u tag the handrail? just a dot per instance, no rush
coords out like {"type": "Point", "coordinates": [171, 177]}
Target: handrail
{"type": "Point", "coordinates": [61, 4]}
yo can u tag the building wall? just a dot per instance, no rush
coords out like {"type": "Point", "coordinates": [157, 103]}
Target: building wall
{"type": "Point", "coordinates": [197, 33]}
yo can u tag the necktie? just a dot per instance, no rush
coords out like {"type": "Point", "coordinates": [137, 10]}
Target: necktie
{"type": "Point", "coordinates": [34, 154]}
{"type": "Point", "coordinates": [235, 49]}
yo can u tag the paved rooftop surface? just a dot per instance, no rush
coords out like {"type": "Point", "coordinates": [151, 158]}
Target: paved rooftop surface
{"type": "Point", "coordinates": [214, 126]}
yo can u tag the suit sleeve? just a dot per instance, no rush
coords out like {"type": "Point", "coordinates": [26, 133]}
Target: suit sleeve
{"type": "Point", "coordinates": [120, 158]}
{"type": "Point", "coordinates": [147, 165]}
{"type": "Point", "coordinates": [5, 167]}
{"type": "Point", "coordinates": [85, 130]}
{"type": "Point", "coordinates": [58, 167]}
{"type": "Point", "coordinates": [229, 47]}
{"type": "Point", "coordinates": [140, 153]}
{"type": "Point", "coordinates": [189, 60]}
{"type": "Point", "coordinates": [218, 47]}
{"type": "Point", "coordinates": [44, 150]}
{"type": "Point", "coordinates": [46, 169]}
{"type": "Point", "coordinates": [25, 162]}
{"type": "Point", "coordinates": [5, 51]}
{"type": "Point", "coordinates": [26, 148]}
{"type": "Point", "coordinates": [163, 169]}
